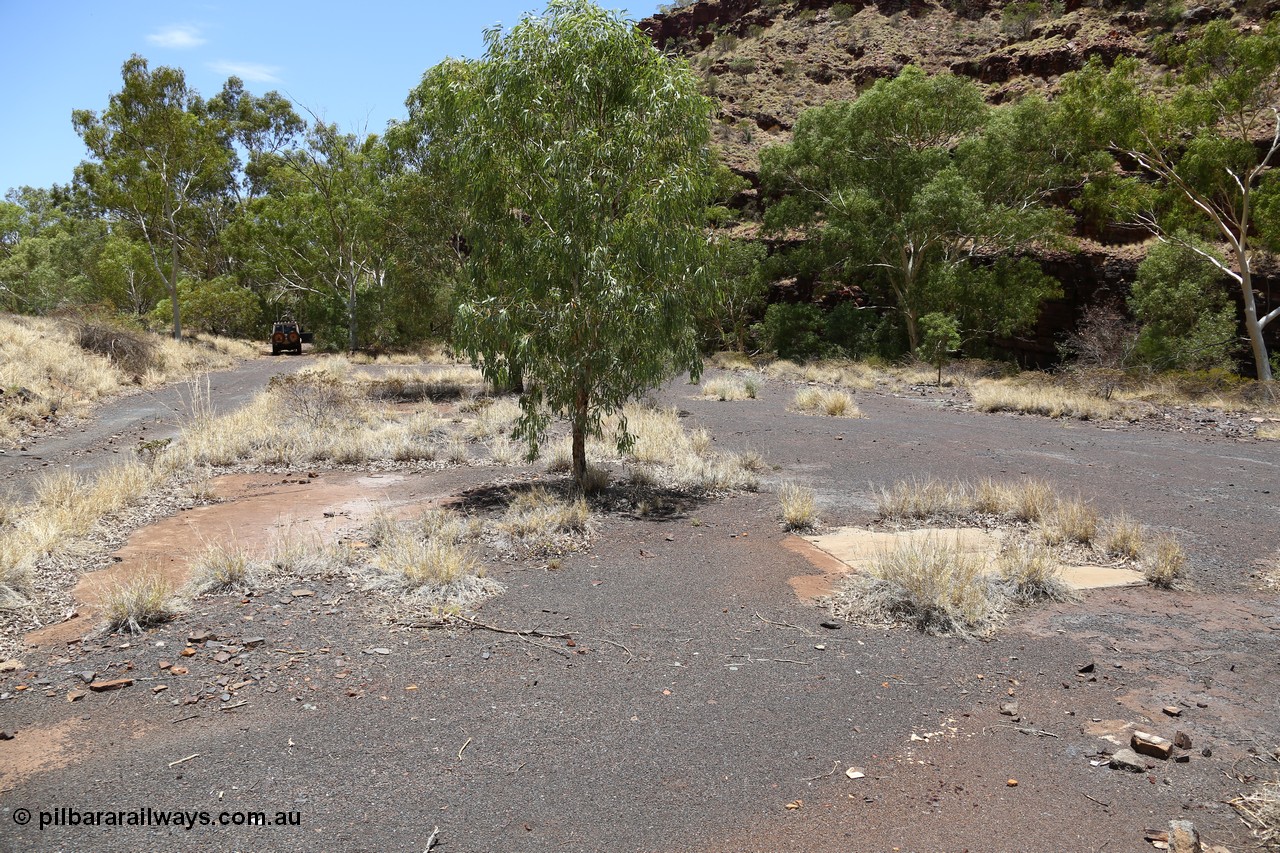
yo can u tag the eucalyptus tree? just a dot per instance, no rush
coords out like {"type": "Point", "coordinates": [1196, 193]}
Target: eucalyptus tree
{"type": "Point", "coordinates": [582, 155]}
{"type": "Point", "coordinates": [919, 184]}
{"type": "Point", "coordinates": [1204, 140]}
{"type": "Point", "coordinates": [157, 153]}
{"type": "Point", "coordinates": [317, 228]}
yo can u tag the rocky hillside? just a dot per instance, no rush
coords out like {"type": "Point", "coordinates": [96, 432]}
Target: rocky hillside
{"type": "Point", "coordinates": [766, 61]}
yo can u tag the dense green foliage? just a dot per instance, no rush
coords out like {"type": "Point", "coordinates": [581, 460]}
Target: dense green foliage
{"type": "Point", "coordinates": [1188, 323]}
{"type": "Point", "coordinates": [581, 154]}
{"type": "Point", "coordinates": [1202, 174]}
{"type": "Point", "coordinates": [904, 188]}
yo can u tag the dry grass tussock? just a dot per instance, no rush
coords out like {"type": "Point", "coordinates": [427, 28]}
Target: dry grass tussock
{"type": "Point", "coordinates": [1071, 521]}
{"type": "Point", "coordinates": [430, 562]}
{"type": "Point", "coordinates": [1260, 809]}
{"type": "Point", "coordinates": [1164, 562]}
{"type": "Point", "coordinates": [1268, 432]}
{"type": "Point", "coordinates": [928, 584]}
{"type": "Point", "coordinates": [825, 401]}
{"type": "Point", "coordinates": [798, 505]}
{"type": "Point", "coordinates": [730, 360]}
{"type": "Point", "coordinates": [937, 587]}
{"type": "Point", "coordinates": [1032, 573]}
{"type": "Point", "coordinates": [730, 389]}
{"type": "Point", "coordinates": [846, 374]}
{"type": "Point", "coordinates": [1042, 398]}
{"type": "Point", "coordinates": [138, 604]}
{"type": "Point", "coordinates": [445, 383]}
{"type": "Point", "coordinates": [66, 509]}
{"type": "Point", "coordinates": [1124, 537]}
{"type": "Point", "coordinates": [663, 452]}
{"type": "Point", "coordinates": [58, 367]}
{"type": "Point", "coordinates": [541, 521]}
{"type": "Point", "coordinates": [224, 568]}
{"type": "Point", "coordinates": [1032, 505]}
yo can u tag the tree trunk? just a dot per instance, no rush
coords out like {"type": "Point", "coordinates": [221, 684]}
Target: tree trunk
{"type": "Point", "coordinates": [351, 313]}
{"type": "Point", "coordinates": [1251, 324]}
{"type": "Point", "coordinates": [580, 440]}
{"type": "Point", "coordinates": [173, 278]}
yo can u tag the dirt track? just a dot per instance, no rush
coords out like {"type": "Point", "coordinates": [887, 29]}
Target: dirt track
{"type": "Point", "coordinates": [694, 705]}
{"type": "Point", "coordinates": [119, 425]}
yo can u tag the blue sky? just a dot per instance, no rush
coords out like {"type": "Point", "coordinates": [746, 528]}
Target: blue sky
{"type": "Point", "coordinates": [349, 63]}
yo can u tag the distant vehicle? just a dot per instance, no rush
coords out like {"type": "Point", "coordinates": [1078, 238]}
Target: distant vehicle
{"type": "Point", "coordinates": [287, 335]}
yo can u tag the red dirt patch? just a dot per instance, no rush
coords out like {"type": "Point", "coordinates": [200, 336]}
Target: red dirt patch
{"type": "Point", "coordinates": [253, 510]}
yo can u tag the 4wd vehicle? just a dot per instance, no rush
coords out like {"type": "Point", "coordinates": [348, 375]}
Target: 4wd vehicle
{"type": "Point", "coordinates": [288, 335]}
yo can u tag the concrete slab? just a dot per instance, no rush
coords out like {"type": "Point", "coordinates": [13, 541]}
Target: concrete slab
{"type": "Point", "coordinates": [847, 549]}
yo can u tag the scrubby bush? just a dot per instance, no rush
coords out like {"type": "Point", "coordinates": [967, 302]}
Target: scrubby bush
{"type": "Point", "coordinates": [794, 332]}
{"type": "Point", "coordinates": [852, 330]}
{"type": "Point", "coordinates": [1188, 322]}
{"type": "Point", "coordinates": [132, 350]}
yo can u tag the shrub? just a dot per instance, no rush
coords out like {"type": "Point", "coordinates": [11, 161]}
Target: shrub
{"type": "Point", "coordinates": [742, 65]}
{"type": "Point", "coordinates": [131, 350]}
{"type": "Point", "coordinates": [792, 331]}
{"type": "Point", "coordinates": [1188, 322]}
{"type": "Point", "coordinates": [941, 337]}
{"type": "Point", "coordinates": [1018, 19]}
{"type": "Point", "coordinates": [842, 11]}
{"type": "Point", "coordinates": [851, 329]}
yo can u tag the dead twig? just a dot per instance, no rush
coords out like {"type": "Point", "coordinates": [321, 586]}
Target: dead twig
{"type": "Point", "coordinates": [619, 645]}
{"type": "Point", "coordinates": [184, 719]}
{"type": "Point", "coordinates": [1022, 729]}
{"type": "Point", "coordinates": [804, 631]}
{"type": "Point", "coordinates": [1099, 802]}
{"type": "Point", "coordinates": [184, 760]}
{"type": "Point", "coordinates": [830, 772]}
{"type": "Point", "coordinates": [431, 839]}
{"type": "Point", "coordinates": [464, 746]}
{"type": "Point", "coordinates": [237, 705]}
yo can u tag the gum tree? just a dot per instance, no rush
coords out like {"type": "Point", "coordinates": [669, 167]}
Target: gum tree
{"type": "Point", "coordinates": [157, 154]}
{"type": "Point", "coordinates": [586, 176]}
{"type": "Point", "coordinates": [919, 185]}
{"type": "Point", "coordinates": [1205, 147]}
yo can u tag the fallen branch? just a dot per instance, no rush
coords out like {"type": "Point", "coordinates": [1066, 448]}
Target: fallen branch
{"type": "Point", "coordinates": [431, 839]}
{"type": "Point", "coordinates": [184, 760]}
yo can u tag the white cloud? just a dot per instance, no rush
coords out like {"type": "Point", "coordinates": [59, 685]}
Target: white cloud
{"type": "Point", "coordinates": [250, 72]}
{"type": "Point", "coordinates": [178, 36]}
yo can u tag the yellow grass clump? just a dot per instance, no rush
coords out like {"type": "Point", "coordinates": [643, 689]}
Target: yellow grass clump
{"type": "Point", "coordinates": [798, 505]}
